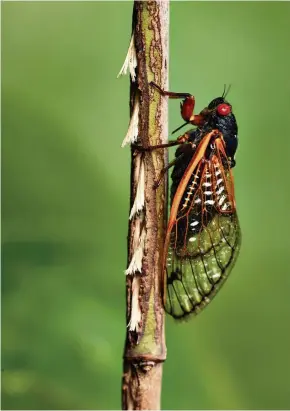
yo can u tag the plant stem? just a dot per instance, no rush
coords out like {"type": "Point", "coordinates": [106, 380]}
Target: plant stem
{"type": "Point", "coordinates": [145, 349]}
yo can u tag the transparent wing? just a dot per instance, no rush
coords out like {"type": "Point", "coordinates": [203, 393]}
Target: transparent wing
{"type": "Point", "coordinates": [204, 238]}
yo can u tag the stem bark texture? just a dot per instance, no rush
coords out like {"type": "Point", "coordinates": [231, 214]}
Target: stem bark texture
{"type": "Point", "coordinates": [145, 349]}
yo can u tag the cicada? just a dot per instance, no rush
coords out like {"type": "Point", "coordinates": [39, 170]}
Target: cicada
{"type": "Point", "coordinates": [203, 233]}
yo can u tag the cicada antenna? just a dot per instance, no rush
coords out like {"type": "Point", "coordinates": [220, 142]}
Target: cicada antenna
{"type": "Point", "coordinates": [223, 96]}
{"type": "Point", "coordinates": [177, 129]}
{"type": "Point", "coordinates": [226, 91]}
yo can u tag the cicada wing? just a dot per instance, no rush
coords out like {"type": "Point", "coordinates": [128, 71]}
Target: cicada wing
{"type": "Point", "coordinates": [203, 239]}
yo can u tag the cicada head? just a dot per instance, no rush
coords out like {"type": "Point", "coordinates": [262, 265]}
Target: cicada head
{"type": "Point", "coordinates": [219, 115]}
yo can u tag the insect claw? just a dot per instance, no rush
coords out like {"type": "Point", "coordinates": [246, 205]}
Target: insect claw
{"type": "Point", "coordinates": [152, 84]}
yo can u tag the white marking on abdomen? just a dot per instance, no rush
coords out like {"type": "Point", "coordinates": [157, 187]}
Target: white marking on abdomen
{"type": "Point", "coordinates": [220, 190]}
{"type": "Point", "coordinates": [194, 223]}
{"type": "Point", "coordinates": [222, 199]}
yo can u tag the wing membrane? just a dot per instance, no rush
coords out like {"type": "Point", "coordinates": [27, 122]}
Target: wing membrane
{"type": "Point", "coordinates": [203, 237]}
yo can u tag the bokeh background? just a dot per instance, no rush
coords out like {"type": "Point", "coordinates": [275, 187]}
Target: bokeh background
{"type": "Point", "coordinates": [65, 199]}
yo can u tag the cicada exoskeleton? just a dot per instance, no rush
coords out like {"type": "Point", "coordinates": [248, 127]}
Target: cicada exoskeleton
{"type": "Point", "coordinates": [203, 233]}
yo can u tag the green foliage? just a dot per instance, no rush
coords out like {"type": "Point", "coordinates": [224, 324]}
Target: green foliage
{"type": "Point", "coordinates": [66, 195]}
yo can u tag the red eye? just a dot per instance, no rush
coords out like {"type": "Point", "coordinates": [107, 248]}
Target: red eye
{"type": "Point", "coordinates": [223, 109]}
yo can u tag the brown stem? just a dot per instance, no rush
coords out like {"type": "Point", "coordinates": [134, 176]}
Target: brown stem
{"type": "Point", "coordinates": [145, 349]}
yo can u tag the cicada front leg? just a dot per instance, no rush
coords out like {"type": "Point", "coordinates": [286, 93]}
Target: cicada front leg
{"type": "Point", "coordinates": [186, 107]}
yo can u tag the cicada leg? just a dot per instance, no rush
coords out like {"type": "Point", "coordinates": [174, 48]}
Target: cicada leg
{"type": "Point", "coordinates": [165, 169]}
{"type": "Point", "coordinates": [170, 94]}
{"type": "Point", "coordinates": [180, 140]}
{"type": "Point", "coordinates": [150, 148]}
{"type": "Point", "coordinates": [186, 107]}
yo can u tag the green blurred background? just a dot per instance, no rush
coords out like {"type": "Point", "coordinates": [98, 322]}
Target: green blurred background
{"type": "Point", "coordinates": [66, 194]}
